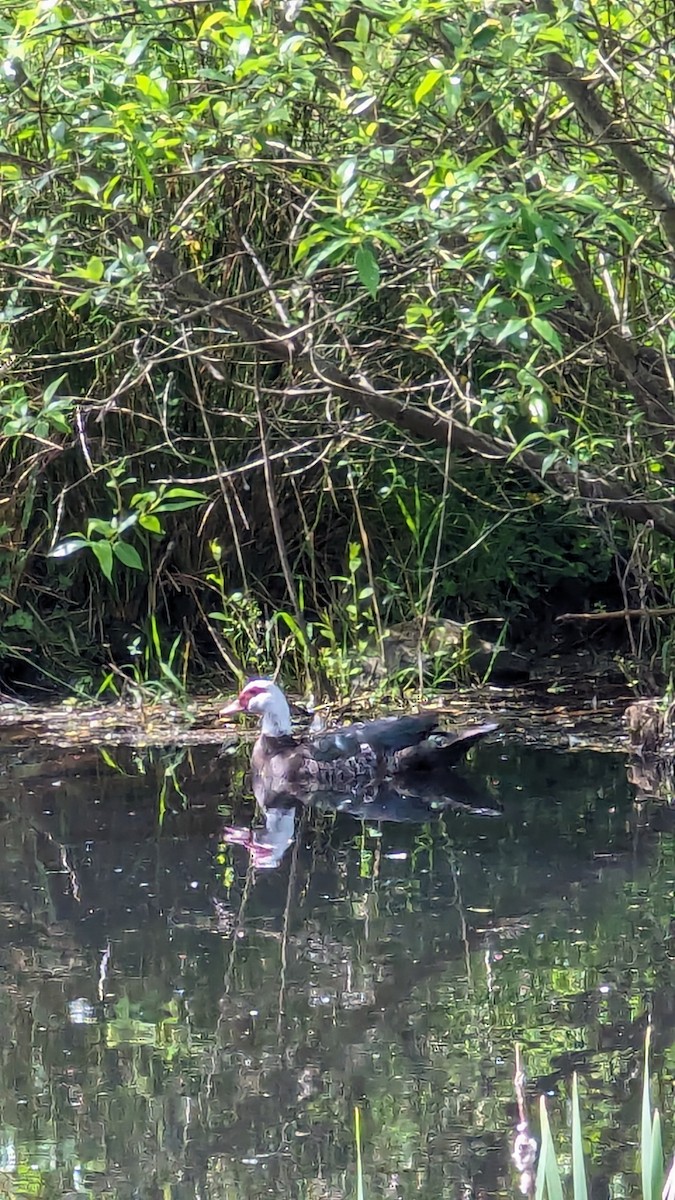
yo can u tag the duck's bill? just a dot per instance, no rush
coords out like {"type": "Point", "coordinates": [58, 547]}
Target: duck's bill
{"type": "Point", "coordinates": [229, 709]}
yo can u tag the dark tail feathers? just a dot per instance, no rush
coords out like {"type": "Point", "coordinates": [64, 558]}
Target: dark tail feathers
{"type": "Point", "coordinates": [441, 750]}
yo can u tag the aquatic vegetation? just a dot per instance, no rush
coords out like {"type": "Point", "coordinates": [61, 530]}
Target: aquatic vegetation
{"type": "Point", "coordinates": [550, 1181]}
{"type": "Point", "coordinates": [551, 1184]}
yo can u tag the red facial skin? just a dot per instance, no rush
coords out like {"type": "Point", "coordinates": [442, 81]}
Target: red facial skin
{"type": "Point", "coordinates": [244, 698]}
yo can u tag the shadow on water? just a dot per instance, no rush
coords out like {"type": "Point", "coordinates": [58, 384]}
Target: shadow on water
{"type": "Point", "coordinates": [178, 1024]}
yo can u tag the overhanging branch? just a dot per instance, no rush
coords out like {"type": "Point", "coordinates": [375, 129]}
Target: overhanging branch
{"type": "Point", "coordinates": [422, 424]}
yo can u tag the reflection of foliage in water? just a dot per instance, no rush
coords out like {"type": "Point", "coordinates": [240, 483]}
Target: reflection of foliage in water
{"type": "Point", "coordinates": [232, 1064]}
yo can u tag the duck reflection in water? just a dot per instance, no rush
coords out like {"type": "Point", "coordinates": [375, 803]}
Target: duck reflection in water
{"type": "Point", "coordinates": [267, 844]}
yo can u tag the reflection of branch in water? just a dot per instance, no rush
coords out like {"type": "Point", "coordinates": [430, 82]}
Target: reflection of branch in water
{"type": "Point", "coordinates": [72, 874]}
{"type": "Point", "coordinates": [287, 914]}
{"type": "Point", "coordinates": [237, 933]}
{"type": "Point", "coordinates": [103, 971]}
{"type": "Point", "coordinates": [459, 905]}
{"type": "Point", "coordinates": [524, 1150]}
{"type": "Point", "coordinates": [65, 862]}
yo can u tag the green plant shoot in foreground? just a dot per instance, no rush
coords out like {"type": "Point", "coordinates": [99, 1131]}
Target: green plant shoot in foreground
{"type": "Point", "coordinates": [551, 1183]}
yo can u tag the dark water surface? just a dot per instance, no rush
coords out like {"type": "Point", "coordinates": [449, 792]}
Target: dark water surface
{"type": "Point", "coordinates": [176, 1024]}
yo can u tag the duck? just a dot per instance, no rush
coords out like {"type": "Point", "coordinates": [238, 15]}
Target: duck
{"type": "Point", "coordinates": [351, 756]}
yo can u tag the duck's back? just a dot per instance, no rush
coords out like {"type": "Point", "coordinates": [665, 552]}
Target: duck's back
{"type": "Point", "coordinates": [382, 737]}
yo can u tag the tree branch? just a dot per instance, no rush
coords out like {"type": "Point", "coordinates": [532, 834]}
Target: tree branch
{"type": "Point", "coordinates": [289, 346]}
{"type": "Point", "coordinates": [611, 133]}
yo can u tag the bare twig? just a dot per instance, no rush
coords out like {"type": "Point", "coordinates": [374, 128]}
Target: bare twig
{"type": "Point", "coordinates": [618, 614]}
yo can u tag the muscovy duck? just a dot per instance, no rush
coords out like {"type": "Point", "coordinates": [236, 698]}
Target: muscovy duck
{"type": "Point", "coordinates": [346, 757]}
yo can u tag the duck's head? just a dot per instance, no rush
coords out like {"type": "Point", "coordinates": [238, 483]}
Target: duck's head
{"type": "Point", "coordinates": [266, 700]}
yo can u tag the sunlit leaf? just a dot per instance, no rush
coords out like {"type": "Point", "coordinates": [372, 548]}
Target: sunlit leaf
{"type": "Point", "coordinates": [68, 546]}
{"type": "Point", "coordinates": [87, 184]}
{"type": "Point", "coordinates": [428, 83]}
{"type": "Point", "coordinates": [346, 170]}
{"type": "Point", "coordinates": [181, 492]}
{"type": "Point", "coordinates": [150, 522]}
{"type": "Point", "coordinates": [513, 326]}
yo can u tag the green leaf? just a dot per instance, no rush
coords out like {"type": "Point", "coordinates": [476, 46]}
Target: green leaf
{"type": "Point", "coordinates": [68, 546]}
{"type": "Point", "coordinates": [627, 231]}
{"type": "Point", "coordinates": [580, 1188]}
{"type": "Point", "coordinates": [549, 461]}
{"type": "Point", "coordinates": [538, 407]}
{"type": "Point", "coordinates": [80, 301]}
{"type": "Point", "coordinates": [512, 327]}
{"type": "Point", "coordinates": [94, 269]}
{"type": "Point", "coordinates": [127, 522]}
{"type": "Point", "coordinates": [548, 1165]}
{"type": "Point", "coordinates": [167, 672]}
{"type": "Point", "coordinates": [362, 31]}
{"type": "Point", "coordinates": [52, 388]}
{"type": "Point", "coordinates": [154, 633]}
{"type": "Point", "coordinates": [177, 505]}
{"type": "Point", "coordinates": [152, 89]}
{"type": "Point", "coordinates": [646, 1128]}
{"type": "Point", "coordinates": [453, 95]}
{"type": "Point", "coordinates": [368, 269]}
{"type": "Point", "coordinates": [128, 555]}
{"type": "Point", "coordinates": [88, 185]}
{"type": "Point", "coordinates": [99, 525]}
{"type": "Point", "coordinates": [657, 1156]}
{"type": "Point", "coordinates": [330, 250]}
{"type": "Point", "coordinates": [428, 83]}
{"type": "Point", "coordinates": [213, 19]}
{"type": "Point", "coordinates": [528, 267]}
{"type": "Point", "coordinates": [104, 554]}
{"type": "Point", "coordinates": [346, 171]}
{"type": "Point", "coordinates": [136, 52]}
{"type": "Point", "coordinates": [553, 35]}
{"type": "Point", "coordinates": [295, 628]}
{"type": "Point", "coordinates": [177, 499]}
{"type": "Point", "coordinates": [150, 522]}
{"type": "Point", "coordinates": [547, 332]}
{"type": "Point", "coordinates": [180, 492]}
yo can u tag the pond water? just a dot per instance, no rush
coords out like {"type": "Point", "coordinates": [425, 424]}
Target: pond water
{"type": "Point", "coordinates": [178, 1024]}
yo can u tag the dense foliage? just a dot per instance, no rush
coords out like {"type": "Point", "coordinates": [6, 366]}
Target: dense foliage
{"type": "Point", "coordinates": [318, 317]}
